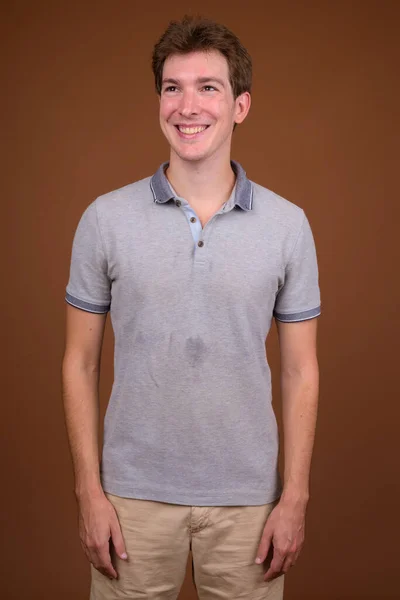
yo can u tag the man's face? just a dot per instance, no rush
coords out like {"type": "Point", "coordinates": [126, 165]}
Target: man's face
{"type": "Point", "coordinates": [197, 109]}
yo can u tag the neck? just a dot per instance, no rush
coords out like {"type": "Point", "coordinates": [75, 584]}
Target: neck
{"type": "Point", "coordinates": [202, 183]}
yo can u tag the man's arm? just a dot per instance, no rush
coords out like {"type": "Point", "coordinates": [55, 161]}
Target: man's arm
{"type": "Point", "coordinates": [299, 387]}
{"type": "Point", "coordinates": [80, 381]}
{"type": "Point", "coordinates": [98, 521]}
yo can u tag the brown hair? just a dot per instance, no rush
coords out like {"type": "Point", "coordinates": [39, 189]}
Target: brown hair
{"type": "Point", "coordinates": [200, 34]}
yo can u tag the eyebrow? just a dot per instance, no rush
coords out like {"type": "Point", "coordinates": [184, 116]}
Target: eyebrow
{"type": "Point", "coordinates": [199, 80]}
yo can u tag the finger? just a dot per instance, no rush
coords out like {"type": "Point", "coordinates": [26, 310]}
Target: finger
{"type": "Point", "coordinates": [102, 562]}
{"type": "Point", "coordinates": [276, 565]}
{"type": "Point", "coordinates": [99, 559]}
{"type": "Point", "coordinates": [105, 573]}
{"type": "Point", "coordinates": [117, 539]}
{"type": "Point", "coordinates": [296, 555]}
{"type": "Point", "coordinates": [289, 562]}
{"type": "Point", "coordinates": [264, 547]}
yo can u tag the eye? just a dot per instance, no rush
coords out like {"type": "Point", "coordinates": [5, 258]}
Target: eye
{"type": "Point", "coordinates": [210, 86]}
{"type": "Point", "coordinates": [170, 88]}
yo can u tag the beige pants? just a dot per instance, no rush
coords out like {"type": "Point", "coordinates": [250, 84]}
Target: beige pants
{"type": "Point", "coordinates": [158, 537]}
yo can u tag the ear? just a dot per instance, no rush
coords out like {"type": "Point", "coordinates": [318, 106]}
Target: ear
{"type": "Point", "coordinates": [242, 107]}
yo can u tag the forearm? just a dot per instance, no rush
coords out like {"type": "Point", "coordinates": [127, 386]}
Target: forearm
{"type": "Point", "coordinates": [81, 408]}
{"type": "Point", "coordinates": [299, 410]}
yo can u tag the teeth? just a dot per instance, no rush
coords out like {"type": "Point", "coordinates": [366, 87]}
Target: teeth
{"type": "Point", "coordinates": [191, 129]}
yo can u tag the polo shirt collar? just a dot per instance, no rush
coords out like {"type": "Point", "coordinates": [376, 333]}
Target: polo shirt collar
{"type": "Point", "coordinates": [162, 191]}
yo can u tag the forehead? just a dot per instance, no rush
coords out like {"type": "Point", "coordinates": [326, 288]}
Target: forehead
{"type": "Point", "coordinates": [196, 64]}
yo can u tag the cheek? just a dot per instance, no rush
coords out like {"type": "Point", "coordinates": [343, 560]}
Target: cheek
{"type": "Point", "coordinates": [221, 110]}
{"type": "Point", "coordinates": [167, 108]}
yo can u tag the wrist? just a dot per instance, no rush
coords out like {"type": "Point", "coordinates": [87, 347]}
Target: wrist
{"type": "Point", "coordinates": [85, 490]}
{"type": "Point", "coordinates": [295, 497]}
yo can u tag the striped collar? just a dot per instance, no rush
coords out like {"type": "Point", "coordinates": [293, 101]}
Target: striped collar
{"type": "Point", "coordinates": [162, 191]}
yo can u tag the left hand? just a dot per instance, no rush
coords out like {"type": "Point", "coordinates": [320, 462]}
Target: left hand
{"type": "Point", "coordinates": [284, 529]}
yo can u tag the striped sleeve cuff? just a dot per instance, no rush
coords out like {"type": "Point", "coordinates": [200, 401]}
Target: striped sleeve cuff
{"type": "Point", "coordinates": [88, 306]}
{"type": "Point", "coordinates": [299, 316]}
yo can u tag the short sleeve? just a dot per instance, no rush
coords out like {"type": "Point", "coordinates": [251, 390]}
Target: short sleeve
{"type": "Point", "coordinates": [89, 286]}
{"type": "Point", "coordinates": [299, 297]}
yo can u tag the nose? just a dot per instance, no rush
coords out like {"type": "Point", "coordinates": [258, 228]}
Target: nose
{"type": "Point", "coordinates": [189, 104]}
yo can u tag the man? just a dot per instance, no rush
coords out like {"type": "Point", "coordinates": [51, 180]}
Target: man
{"type": "Point", "coordinates": [193, 263]}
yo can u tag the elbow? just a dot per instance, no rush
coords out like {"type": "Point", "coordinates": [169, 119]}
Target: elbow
{"type": "Point", "coordinates": [78, 362]}
{"type": "Point", "coordinates": [304, 371]}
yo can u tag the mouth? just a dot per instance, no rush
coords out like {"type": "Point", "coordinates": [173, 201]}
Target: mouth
{"type": "Point", "coordinates": [190, 133]}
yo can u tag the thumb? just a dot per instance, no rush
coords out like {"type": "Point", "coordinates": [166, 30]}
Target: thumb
{"type": "Point", "coordinates": [263, 547]}
{"type": "Point", "coordinates": [117, 539]}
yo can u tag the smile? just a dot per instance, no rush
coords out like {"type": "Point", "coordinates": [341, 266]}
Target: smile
{"type": "Point", "coordinates": [190, 132]}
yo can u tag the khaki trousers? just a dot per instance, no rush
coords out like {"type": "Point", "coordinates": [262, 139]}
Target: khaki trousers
{"type": "Point", "coordinates": [158, 537]}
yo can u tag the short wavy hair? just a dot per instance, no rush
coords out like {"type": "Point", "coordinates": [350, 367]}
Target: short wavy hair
{"type": "Point", "coordinates": [197, 33]}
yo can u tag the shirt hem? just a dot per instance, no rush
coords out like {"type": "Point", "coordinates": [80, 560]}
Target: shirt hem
{"type": "Point", "coordinates": [216, 498]}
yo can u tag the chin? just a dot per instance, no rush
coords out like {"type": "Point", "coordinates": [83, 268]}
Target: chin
{"type": "Point", "coordinates": [191, 157]}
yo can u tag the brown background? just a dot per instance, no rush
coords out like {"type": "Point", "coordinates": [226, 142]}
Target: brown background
{"type": "Point", "coordinates": [80, 119]}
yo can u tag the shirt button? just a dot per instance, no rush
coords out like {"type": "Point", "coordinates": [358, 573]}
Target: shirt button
{"type": "Point", "coordinates": [178, 202]}
{"type": "Point", "coordinates": [200, 243]}
{"type": "Point", "coordinates": [193, 219]}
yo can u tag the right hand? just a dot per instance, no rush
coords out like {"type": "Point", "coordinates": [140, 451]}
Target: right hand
{"type": "Point", "coordinates": [98, 525]}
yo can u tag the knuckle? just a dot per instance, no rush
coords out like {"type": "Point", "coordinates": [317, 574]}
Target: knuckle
{"type": "Point", "coordinates": [97, 546]}
{"type": "Point", "coordinates": [94, 549]}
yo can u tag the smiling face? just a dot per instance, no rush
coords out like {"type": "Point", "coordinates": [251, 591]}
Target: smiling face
{"type": "Point", "coordinates": [197, 108]}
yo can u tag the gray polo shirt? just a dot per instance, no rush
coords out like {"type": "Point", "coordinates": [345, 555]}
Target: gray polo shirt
{"type": "Point", "coordinates": [189, 419]}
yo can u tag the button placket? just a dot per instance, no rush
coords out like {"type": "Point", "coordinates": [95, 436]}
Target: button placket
{"type": "Point", "coordinates": [193, 222]}
{"type": "Point", "coordinates": [198, 232]}
{"type": "Point", "coordinates": [205, 230]}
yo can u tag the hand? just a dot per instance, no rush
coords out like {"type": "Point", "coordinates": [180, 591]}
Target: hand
{"type": "Point", "coordinates": [284, 531]}
{"type": "Point", "coordinates": [98, 524]}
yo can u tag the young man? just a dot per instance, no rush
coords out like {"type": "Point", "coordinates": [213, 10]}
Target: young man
{"type": "Point", "coordinates": [193, 263]}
